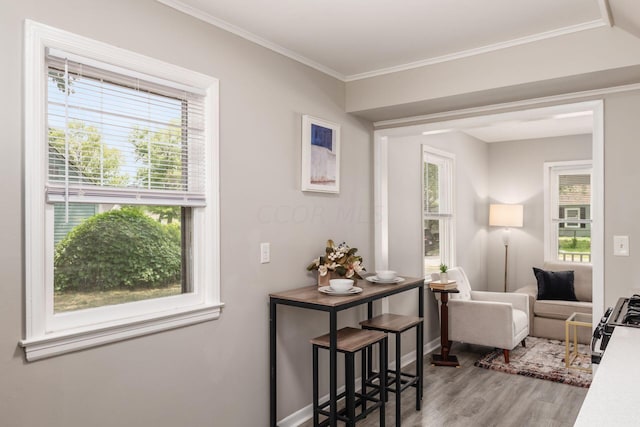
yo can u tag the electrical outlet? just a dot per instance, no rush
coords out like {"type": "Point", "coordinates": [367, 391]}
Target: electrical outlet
{"type": "Point", "coordinates": [265, 253]}
{"type": "Point", "coordinates": [621, 245]}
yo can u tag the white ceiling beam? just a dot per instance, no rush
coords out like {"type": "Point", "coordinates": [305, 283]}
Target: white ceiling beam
{"type": "Point", "coordinates": [513, 105]}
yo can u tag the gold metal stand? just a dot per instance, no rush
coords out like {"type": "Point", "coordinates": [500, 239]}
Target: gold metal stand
{"type": "Point", "coordinates": [571, 354]}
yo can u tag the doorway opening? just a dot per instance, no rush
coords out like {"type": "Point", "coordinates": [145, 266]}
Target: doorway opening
{"type": "Point", "coordinates": [581, 118]}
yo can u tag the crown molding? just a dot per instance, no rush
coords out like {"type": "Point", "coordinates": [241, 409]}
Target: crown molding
{"type": "Point", "coordinates": [480, 50]}
{"type": "Point", "coordinates": [206, 17]}
{"type": "Point", "coordinates": [210, 19]}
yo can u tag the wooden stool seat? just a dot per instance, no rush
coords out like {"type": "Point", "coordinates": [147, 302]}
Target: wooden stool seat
{"type": "Point", "coordinates": [390, 322]}
{"type": "Point", "coordinates": [349, 342]}
{"type": "Point", "coordinates": [398, 381]}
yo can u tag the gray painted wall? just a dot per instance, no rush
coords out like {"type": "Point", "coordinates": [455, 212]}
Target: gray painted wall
{"type": "Point", "coordinates": [215, 373]}
{"type": "Point", "coordinates": [516, 176]}
{"type": "Point", "coordinates": [621, 205]}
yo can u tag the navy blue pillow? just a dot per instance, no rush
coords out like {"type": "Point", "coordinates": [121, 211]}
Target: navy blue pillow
{"type": "Point", "coordinates": [555, 285]}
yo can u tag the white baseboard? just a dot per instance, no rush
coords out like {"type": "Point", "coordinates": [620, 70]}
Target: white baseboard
{"type": "Point", "coordinates": [411, 356]}
{"type": "Point", "coordinates": [304, 414]}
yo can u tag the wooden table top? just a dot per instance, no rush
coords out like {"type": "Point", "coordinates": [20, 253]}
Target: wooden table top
{"type": "Point", "coordinates": [311, 294]}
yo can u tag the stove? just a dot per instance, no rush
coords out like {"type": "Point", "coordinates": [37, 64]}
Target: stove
{"type": "Point", "coordinates": [626, 313]}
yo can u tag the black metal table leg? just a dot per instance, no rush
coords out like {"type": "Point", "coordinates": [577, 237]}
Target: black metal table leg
{"type": "Point", "coordinates": [420, 332]}
{"type": "Point", "coordinates": [420, 355]}
{"type": "Point", "coordinates": [370, 349]}
{"type": "Point", "coordinates": [333, 367]}
{"type": "Point", "coordinates": [272, 363]}
{"type": "Point", "coordinates": [383, 374]}
{"type": "Point", "coordinates": [316, 417]}
{"type": "Point", "coordinates": [398, 379]}
{"type": "Point", "coordinates": [350, 379]}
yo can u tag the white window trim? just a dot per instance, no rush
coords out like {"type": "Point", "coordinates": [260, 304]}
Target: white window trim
{"type": "Point", "coordinates": [550, 170]}
{"type": "Point", "coordinates": [48, 335]}
{"type": "Point", "coordinates": [448, 245]}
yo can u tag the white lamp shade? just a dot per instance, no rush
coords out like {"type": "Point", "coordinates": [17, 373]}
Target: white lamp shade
{"type": "Point", "coordinates": [505, 215]}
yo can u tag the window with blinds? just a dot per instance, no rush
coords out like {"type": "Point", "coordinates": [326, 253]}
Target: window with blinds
{"type": "Point", "coordinates": [121, 172]}
{"type": "Point", "coordinates": [118, 139]}
{"type": "Point", "coordinates": [119, 136]}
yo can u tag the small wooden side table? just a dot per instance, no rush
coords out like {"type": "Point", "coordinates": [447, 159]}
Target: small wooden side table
{"type": "Point", "coordinates": [444, 358]}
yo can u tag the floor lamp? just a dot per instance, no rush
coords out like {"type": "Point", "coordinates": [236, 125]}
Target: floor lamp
{"type": "Point", "coordinates": [506, 216]}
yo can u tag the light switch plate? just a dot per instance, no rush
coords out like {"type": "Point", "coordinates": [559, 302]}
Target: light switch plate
{"type": "Point", "coordinates": [265, 253]}
{"type": "Point", "coordinates": [621, 245]}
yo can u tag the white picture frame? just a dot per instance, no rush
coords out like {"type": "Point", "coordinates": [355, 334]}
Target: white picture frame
{"type": "Point", "coordinates": [320, 155]}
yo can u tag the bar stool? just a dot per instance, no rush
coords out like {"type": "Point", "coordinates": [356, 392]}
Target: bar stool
{"type": "Point", "coordinates": [351, 341]}
{"type": "Point", "coordinates": [399, 381]}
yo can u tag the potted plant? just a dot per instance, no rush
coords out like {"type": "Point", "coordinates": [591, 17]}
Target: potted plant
{"type": "Point", "coordinates": [444, 276]}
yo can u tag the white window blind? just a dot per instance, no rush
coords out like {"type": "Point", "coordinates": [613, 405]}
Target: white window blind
{"type": "Point", "coordinates": [122, 137]}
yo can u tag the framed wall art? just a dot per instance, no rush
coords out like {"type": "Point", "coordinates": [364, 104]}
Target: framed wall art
{"type": "Point", "coordinates": [320, 155]}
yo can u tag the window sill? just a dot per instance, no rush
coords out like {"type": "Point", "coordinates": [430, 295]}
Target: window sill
{"type": "Point", "coordinates": [66, 342]}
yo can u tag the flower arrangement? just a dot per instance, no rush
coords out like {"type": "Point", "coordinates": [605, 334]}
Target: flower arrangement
{"type": "Point", "coordinates": [340, 259]}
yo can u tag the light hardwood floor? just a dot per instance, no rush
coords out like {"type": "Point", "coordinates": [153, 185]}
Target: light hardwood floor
{"type": "Point", "coordinates": [471, 396]}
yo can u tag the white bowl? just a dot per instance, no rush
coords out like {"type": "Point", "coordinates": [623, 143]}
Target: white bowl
{"type": "Point", "coordinates": [386, 275]}
{"type": "Point", "coordinates": [341, 285]}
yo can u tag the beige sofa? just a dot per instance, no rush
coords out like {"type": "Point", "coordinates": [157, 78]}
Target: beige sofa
{"type": "Point", "coordinates": [547, 317]}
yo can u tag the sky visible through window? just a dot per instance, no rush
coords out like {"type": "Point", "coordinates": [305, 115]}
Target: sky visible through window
{"type": "Point", "coordinates": [115, 112]}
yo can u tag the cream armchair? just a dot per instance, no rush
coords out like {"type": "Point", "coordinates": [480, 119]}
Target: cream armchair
{"type": "Point", "coordinates": [493, 319]}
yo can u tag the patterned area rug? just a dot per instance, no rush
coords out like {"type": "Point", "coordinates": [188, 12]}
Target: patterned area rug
{"type": "Point", "coordinates": [541, 358]}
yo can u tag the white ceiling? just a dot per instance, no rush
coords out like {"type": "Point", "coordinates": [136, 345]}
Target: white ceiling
{"type": "Point", "coordinates": [352, 39]}
{"type": "Point", "coordinates": [578, 123]}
